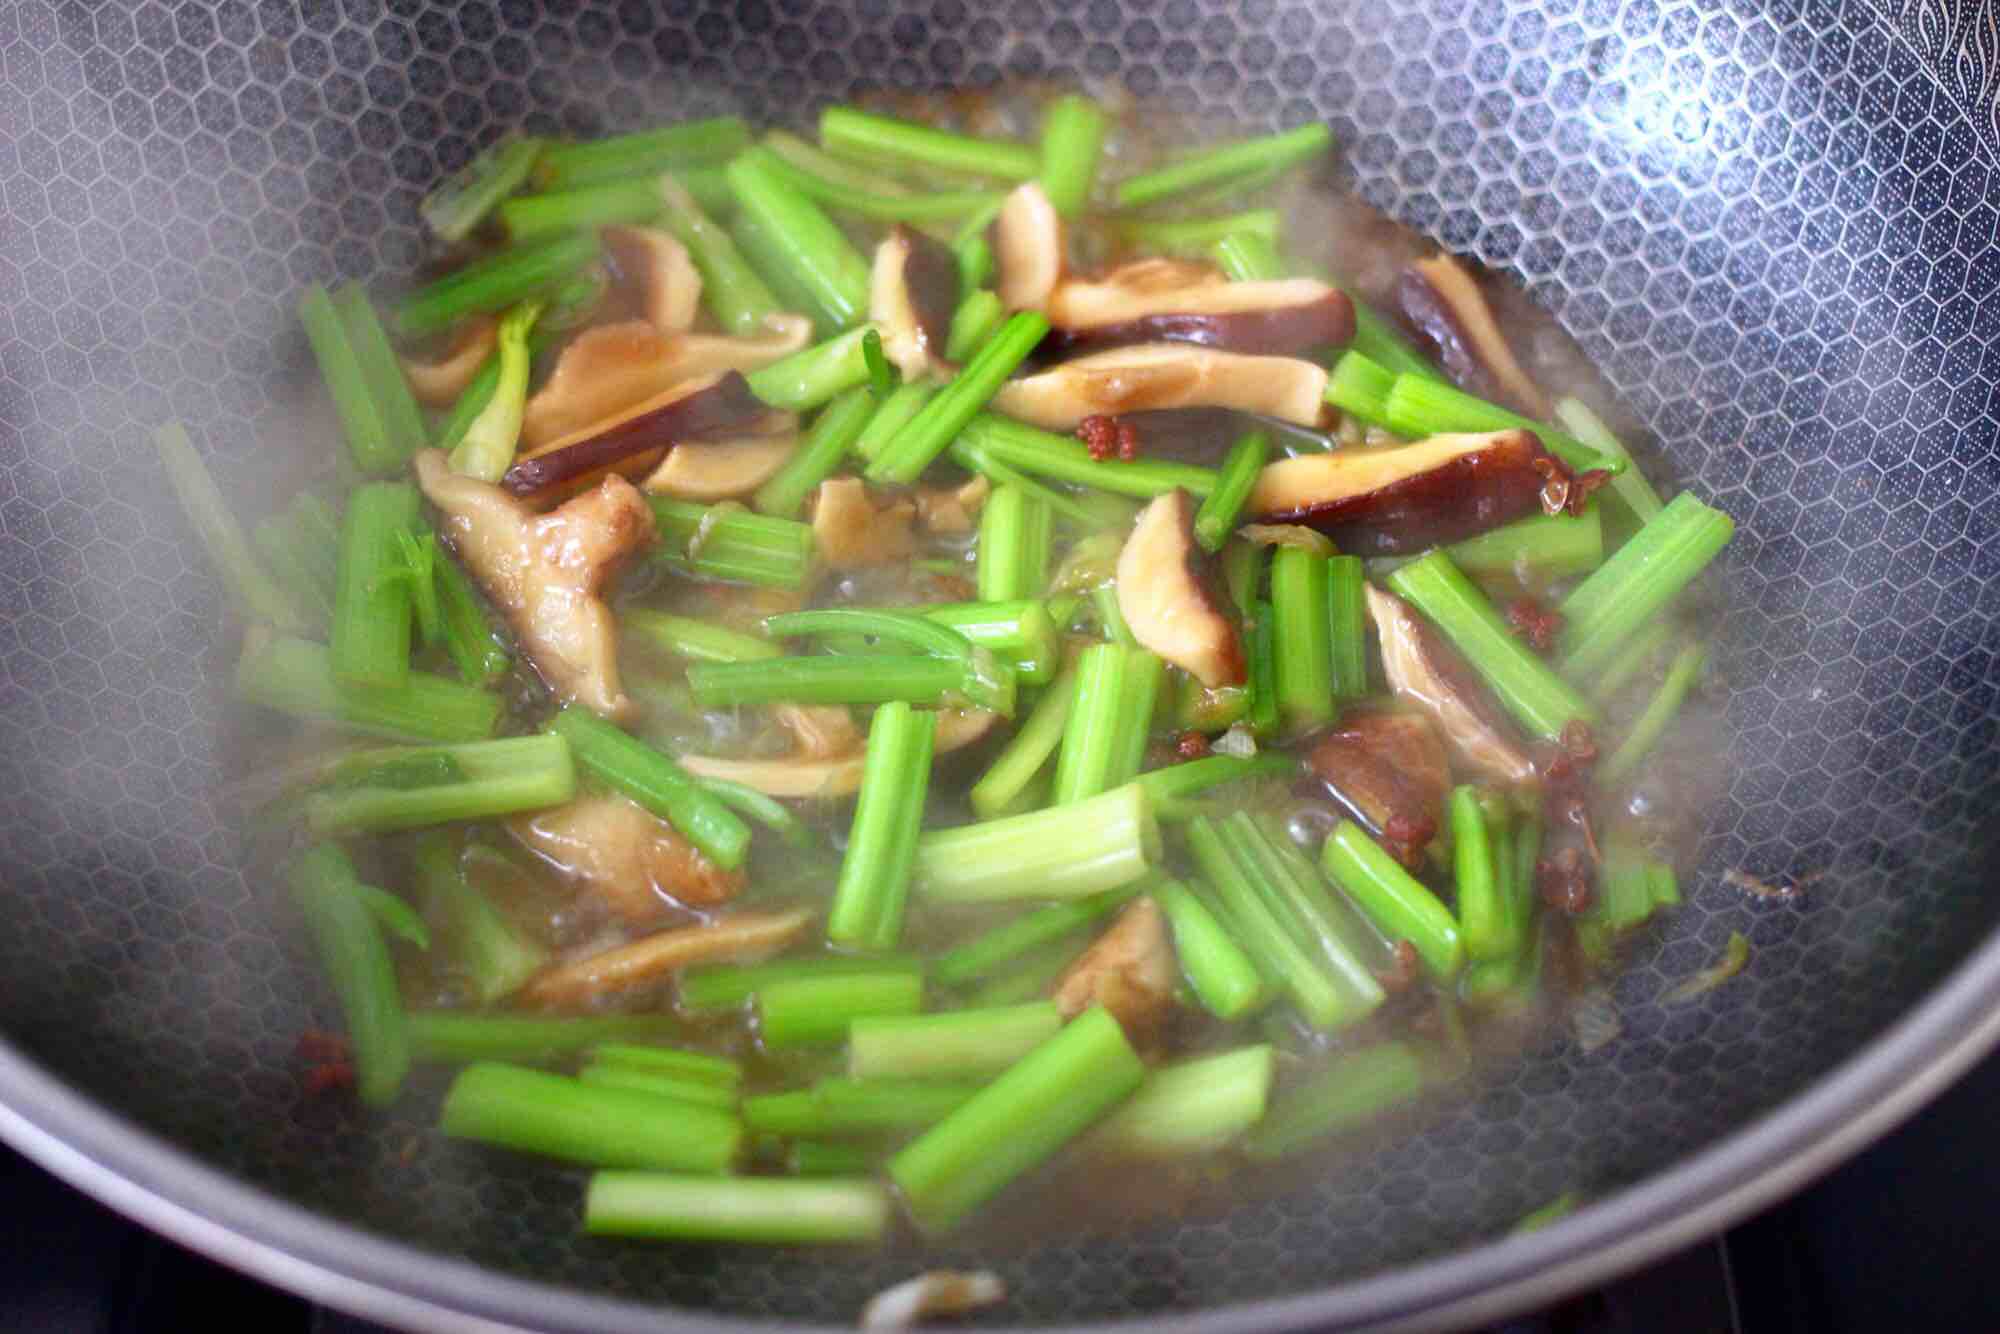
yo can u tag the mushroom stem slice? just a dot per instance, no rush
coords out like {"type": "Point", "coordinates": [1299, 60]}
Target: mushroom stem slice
{"type": "Point", "coordinates": [1164, 375]}
{"type": "Point", "coordinates": [1164, 600]}
{"type": "Point", "coordinates": [1406, 498]}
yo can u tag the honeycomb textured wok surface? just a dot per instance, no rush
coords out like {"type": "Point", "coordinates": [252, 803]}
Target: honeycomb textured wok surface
{"type": "Point", "coordinates": [1771, 225]}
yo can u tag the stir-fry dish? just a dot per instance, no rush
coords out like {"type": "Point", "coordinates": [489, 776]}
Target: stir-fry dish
{"type": "Point", "coordinates": [833, 679]}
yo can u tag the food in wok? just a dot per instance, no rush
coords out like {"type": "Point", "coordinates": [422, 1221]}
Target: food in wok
{"type": "Point", "coordinates": [833, 676]}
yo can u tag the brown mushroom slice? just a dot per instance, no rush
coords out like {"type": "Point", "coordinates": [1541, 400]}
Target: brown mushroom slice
{"type": "Point", "coordinates": [1164, 300]}
{"type": "Point", "coordinates": [796, 777]}
{"type": "Point", "coordinates": [1442, 300]}
{"type": "Point", "coordinates": [952, 511]}
{"type": "Point", "coordinates": [1164, 600]}
{"type": "Point", "coordinates": [1130, 970]}
{"type": "Point", "coordinates": [1390, 769]}
{"type": "Point", "coordinates": [1384, 502]}
{"type": "Point", "coordinates": [437, 384]}
{"type": "Point", "coordinates": [1138, 287]}
{"type": "Point", "coordinates": [637, 864]}
{"type": "Point", "coordinates": [603, 371]}
{"type": "Point", "coordinates": [739, 938]}
{"type": "Point", "coordinates": [851, 531]}
{"type": "Point", "coordinates": [822, 731]}
{"type": "Point", "coordinates": [608, 370]}
{"type": "Point", "coordinates": [712, 470]}
{"type": "Point", "coordinates": [1028, 248]}
{"type": "Point", "coordinates": [669, 285]}
{"type": "Point", "coordinates": [1203, 436]}
{"type": "Point", "coordinates": [1423, 670]}
{"type": "Point", "coordinates": [633, 440]}
{"type": "Point", "coordinates": [546, 573]}
{"type": "Point", "coordinates": [1164, 375]}
{"type": "Point", "coordinates": [912, 291]}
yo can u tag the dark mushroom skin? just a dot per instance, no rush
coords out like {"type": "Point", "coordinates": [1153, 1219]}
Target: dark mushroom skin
{"type": "Point", "coordinates": [1203, 436]}
{"type": "Point", "coordinates": [1388, 767]}
{"type": "Point", "coordinates": [912, 292]}
{"type": "Point", "coordinates": [1443, 303]}
{"type": "Point", "coordinates": [1566, 869]}
{"type": "Point", "coordinates": [726, 404]}
{"type": "Point", "coordinates": [1287, 331]}
{"type": "Point", "coordinates": [658, 280]}
{"type": "Point", "coordinates": [1409, 498]}
{"type": "Point", "coordinates": [931, 274]}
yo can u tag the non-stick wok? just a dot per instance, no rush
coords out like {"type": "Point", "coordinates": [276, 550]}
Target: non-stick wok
{"type": "Point", "coordinates": [1772, 224]}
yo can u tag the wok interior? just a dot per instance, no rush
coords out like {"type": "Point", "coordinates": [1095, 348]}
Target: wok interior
{"type": "Point", "coordinates": [1769, 231]}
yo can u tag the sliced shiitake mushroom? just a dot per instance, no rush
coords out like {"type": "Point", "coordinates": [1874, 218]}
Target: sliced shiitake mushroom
{"type": "Point", "coordinates": [609, 369]}
{"type": "Point", "coordinates": [639, 865]}
{"type": "Point", "coordinates": [1390, 769]}
{"type": "Point", "coordinates": [546, 573]}
{"type": "Point", "coordinates": [437, 384]}
{"type": "Point", "coordinates": [1203, 436]}
{"type": "Point", "coordinates": [912, 290]}
{"type": "Point", "coordinates": [1028, 248]}
{"type": "Point", "coordinates": [1167, 300]}
{"type": "Point", "coordinates": [712, 470]}
{"type": "Point", "coordinates": [820, 731]}
{"type": "Point", "coordinates": [1165, 601]}
{"type": "Point", "coordinates": [632, 439]}
{"type": "Point", "coordinates": [1405, 498]}
{"type": "Point", "coordinates": [1130, 970]}
{"type": "Point", "coordinates": [669, 285]}
{"type": "Point", "coordinates": [1164, 375]}
{"type": "Point", "coordinates": [1423, 669]}
{"type": "Point", "coordinates": [952, 511]}
{"type": "Point", "coordinates": [854, 529]}
{"type": "Point", "coordinates": [1442, 301]}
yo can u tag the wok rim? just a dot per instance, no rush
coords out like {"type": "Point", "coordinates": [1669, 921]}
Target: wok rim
{"type": "Point", "coordinates": [171, 1191]}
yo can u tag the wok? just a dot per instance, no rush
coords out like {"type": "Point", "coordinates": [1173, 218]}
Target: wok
{"type": "Point", "coordinates": [1771, 225]}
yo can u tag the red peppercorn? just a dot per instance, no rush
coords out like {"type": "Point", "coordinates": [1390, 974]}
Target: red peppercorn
{"type": "Point", "coordinates": [1100, 436]}
{"type": "Point", "coordinates": [1534, 623]}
